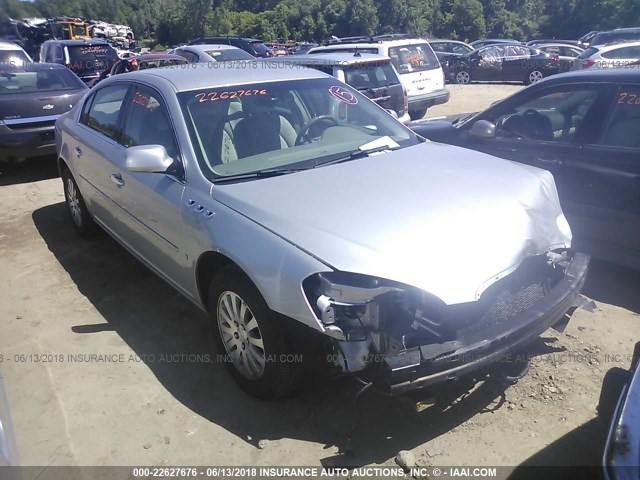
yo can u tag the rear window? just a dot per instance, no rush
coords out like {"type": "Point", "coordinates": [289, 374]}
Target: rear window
{"type": "Point", "coordinates": [39, 81]}
{"type": "Point", "coordinates": [374, 75]}
{"type": "Point", "coordinates": [164, 62]}
{"type": "Point", "coordinates": [229, 54]}
{"type": "Point", "coordinates": [413, 58]}
{"type": "Point", "coordinates": [624, 52]}
{"type": "Point", "coordinates": [588, 52]}
{"type": "Point", "coordinates": [91, 57]}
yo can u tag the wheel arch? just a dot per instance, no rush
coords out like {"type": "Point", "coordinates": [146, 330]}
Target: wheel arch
{"type": "Point", "coordinates": [208, 264]}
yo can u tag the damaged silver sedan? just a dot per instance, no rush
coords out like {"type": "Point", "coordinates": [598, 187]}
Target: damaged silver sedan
{"type": "Point", "coordinates": [303, 217]}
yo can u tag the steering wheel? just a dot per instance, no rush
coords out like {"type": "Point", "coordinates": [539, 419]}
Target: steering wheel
{"type": "Point", "coordinates": [303, 136]}
{"type": "Point", "coordinates": [518, 125]}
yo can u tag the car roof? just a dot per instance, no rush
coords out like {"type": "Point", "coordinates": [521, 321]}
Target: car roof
{"type": "Point", "coordinates": [333, 57]}
{"type": "Point", "coordinates": [556, 44]}
{"type": "Point", "coordinates": [210, 46]}
{"type": "Point", "coordinates": [156, 56]}
{"type": "Point", "coordinates": [79, 42]}
{"type": "Point", "coordinates": [35, 67]}
{"type": "Point", "coordinates": [375, 44]}
{"type": "Point", "coordinates": [200, 76]}
{"type": "Point", "coordinates": [614, 46]}
{"type": "Point", "coordinates": [615, 75]}
{"type": "Point", "coordinates": [9, 46]}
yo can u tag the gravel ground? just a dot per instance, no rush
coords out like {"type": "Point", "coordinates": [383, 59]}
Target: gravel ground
{"type": "Point", "coordinates": [149, 396]}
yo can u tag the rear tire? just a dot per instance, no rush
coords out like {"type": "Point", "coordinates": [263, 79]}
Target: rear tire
{"type": "Point", "coordinates": [533, 76]}
{"type": "Point", "coordinates": [463, 77]}
{"type": "Point", "coordinates": [76, 206]}
{"type": "Point", "coordinates": [418, 113]}
{"type": "Point", "coordinates": [250, 336]}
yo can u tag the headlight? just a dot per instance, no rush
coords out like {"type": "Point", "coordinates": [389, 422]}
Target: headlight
{"type": "Point", "coordinates": [345, 301]}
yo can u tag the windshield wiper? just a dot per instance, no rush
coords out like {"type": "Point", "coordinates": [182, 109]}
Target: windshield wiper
{"type": "Point", "coordinates": [358, 154]}
{"type": "Point", "coordinates": [272, 172]}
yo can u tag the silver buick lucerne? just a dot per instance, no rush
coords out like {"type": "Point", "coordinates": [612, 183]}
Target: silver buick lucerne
{"type": "Point", "coordinates": [297, 212]}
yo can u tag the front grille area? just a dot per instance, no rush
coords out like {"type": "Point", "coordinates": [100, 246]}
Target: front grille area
{"type": "Point", "coordinates": [29, 125]}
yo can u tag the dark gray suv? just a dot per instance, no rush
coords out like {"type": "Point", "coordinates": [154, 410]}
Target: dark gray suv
{"type": "Point", "coordinates": [250, 45]}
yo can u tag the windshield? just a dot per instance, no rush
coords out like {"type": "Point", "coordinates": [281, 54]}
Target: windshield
{"type": "Point", "coordinates": [260, 48]}
{"type": "Point", "coordinates": [38, 81]}
{"type": "Point", "coordinates": [91, 58]}
{"type": "Point", "coordinates": [229, 54]}
{"type": "Point", "coordinates": [290, 124]}
{"type": "Point", "coordinates": [413, 58]}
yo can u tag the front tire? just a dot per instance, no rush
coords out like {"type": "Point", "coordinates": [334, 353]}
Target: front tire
{"type": "Point", "coordinates": [250, 336]}
{"type": "Point", "coordinates": [76, 206]}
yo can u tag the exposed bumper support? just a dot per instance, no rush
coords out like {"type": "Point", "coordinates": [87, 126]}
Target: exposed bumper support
{"type": "Point", "coordinates": [426, 365]}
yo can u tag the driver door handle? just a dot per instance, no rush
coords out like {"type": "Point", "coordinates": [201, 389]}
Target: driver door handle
{"type": "Point", "coordinates": [117, 179]}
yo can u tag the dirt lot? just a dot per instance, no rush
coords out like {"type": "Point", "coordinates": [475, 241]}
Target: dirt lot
{"type": "Point", "coordinates": [143, 400]}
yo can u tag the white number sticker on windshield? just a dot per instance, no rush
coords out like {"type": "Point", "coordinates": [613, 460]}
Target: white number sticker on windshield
{"type": "Point", "coordinates": [343, 95]}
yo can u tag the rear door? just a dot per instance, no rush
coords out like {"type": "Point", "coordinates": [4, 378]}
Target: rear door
{"type": "Point", "coordinates": [97, 155]}
{"type": "Point", "coordinates": [515, 63]}
{"type": "Point", "coordinates": [487, 64]}
{"type": "Point", "coordinates": [602, 184]}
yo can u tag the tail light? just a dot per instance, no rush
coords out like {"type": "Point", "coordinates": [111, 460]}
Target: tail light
{"type": "Point", "coordinates": [588, 63]}
{"type": "Point", "coordinates": [133, 63]}
{"type": "Point", "coordinates": [555, 59]}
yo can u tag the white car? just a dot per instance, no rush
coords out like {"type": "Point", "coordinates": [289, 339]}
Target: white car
{"type": "Point", "coordinates": [419, 69]}
{"type": "Point", "coordinates": [13, 54]}
{"type": "Point", "coordinates": [618, 55]}
{"type": "Point", "coordinates": [211, 53]}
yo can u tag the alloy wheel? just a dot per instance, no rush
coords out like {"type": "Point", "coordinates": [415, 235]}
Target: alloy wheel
{"type": "Point", "coordinates": [241, 335]}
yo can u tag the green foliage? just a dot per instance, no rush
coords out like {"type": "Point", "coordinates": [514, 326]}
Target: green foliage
{"type": "Point", "coordinates": [173, 21]}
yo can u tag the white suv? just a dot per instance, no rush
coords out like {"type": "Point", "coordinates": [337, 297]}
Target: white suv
{"type": "Point", "coordinates": [419, 69]}
{"type": "Point", "coordinates": [618, 55]}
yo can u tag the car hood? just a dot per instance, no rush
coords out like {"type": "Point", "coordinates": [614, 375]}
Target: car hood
{"type": "Point", "coordinates": [444, 219]}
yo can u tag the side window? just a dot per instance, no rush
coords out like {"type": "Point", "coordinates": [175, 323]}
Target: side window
{"type": "Point", "coordinates": [104, 111]}
{"type": "Point", "coordinates": [560, 115]}
{"type": "Point", "coordinates": [457, 48]}
{"type": "Point", "coordinates": [147, 122]}
{"type": "Point", "coordinates": [58, 54]}
{"type": "Point", "coordinates": [552, 50]}
{"type": "Point", "coordinates": [440, 47]}
{"type": "Point", "coordinates": [624, 121]}
{"type": "Point", "coordinates": [569, 52]}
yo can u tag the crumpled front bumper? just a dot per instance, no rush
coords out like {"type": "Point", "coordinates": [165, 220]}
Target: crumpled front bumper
{"type": "Point", "coordinates": [424, 366]}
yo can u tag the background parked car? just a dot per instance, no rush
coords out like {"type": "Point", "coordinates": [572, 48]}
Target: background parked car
{"type": "Point", "coordinates": [252, 46]}
{"type": "Point", "coordinates": [86, 58]}
{"type": "Point", "coordinates": [415, 62]}
{"type": "Point", "coordinates": [372, 75]}
{"type": "Point", "coordinates": [582, 127]}
{"type": "Point", "coordinates": [615, 36]}
{"type": "Point", "coordinates": [618, 55]}
{"type": "Point", "coordinates": [585, 40]}
{"type": "Point", "coordinates": [12, 54]}
{"type": "Point", "coordinates": [491, 41]}
{"type": "Point", "coordinates": [565, 53]}
{"type": "Point", "coordinates": [505, 62]}
{"type": "Point", "coordinates": [211, 53]}
{"type": "Point", "coordinates": [140, 62]}
{"type": "Point", "coordinates": [32, 97]}
{"type": "Point", "coordinates": [448, 52]}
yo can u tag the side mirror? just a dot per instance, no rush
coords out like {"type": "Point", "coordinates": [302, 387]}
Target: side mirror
{"type": "Point", "coordinates": [147, 158]}
{"type": "Point", "coordinates": [392, 113]}
{"type": "Point", "coordinates": [483, 129]}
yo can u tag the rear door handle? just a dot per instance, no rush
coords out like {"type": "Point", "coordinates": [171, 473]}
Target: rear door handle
{"type": "Point", "coordinates": [78, 152]}
{"type": "Point", "coordinates": [117, 179]}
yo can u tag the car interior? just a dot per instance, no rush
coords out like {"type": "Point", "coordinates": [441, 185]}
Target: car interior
{"type": "Point", "coordinates": [553, 117]}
